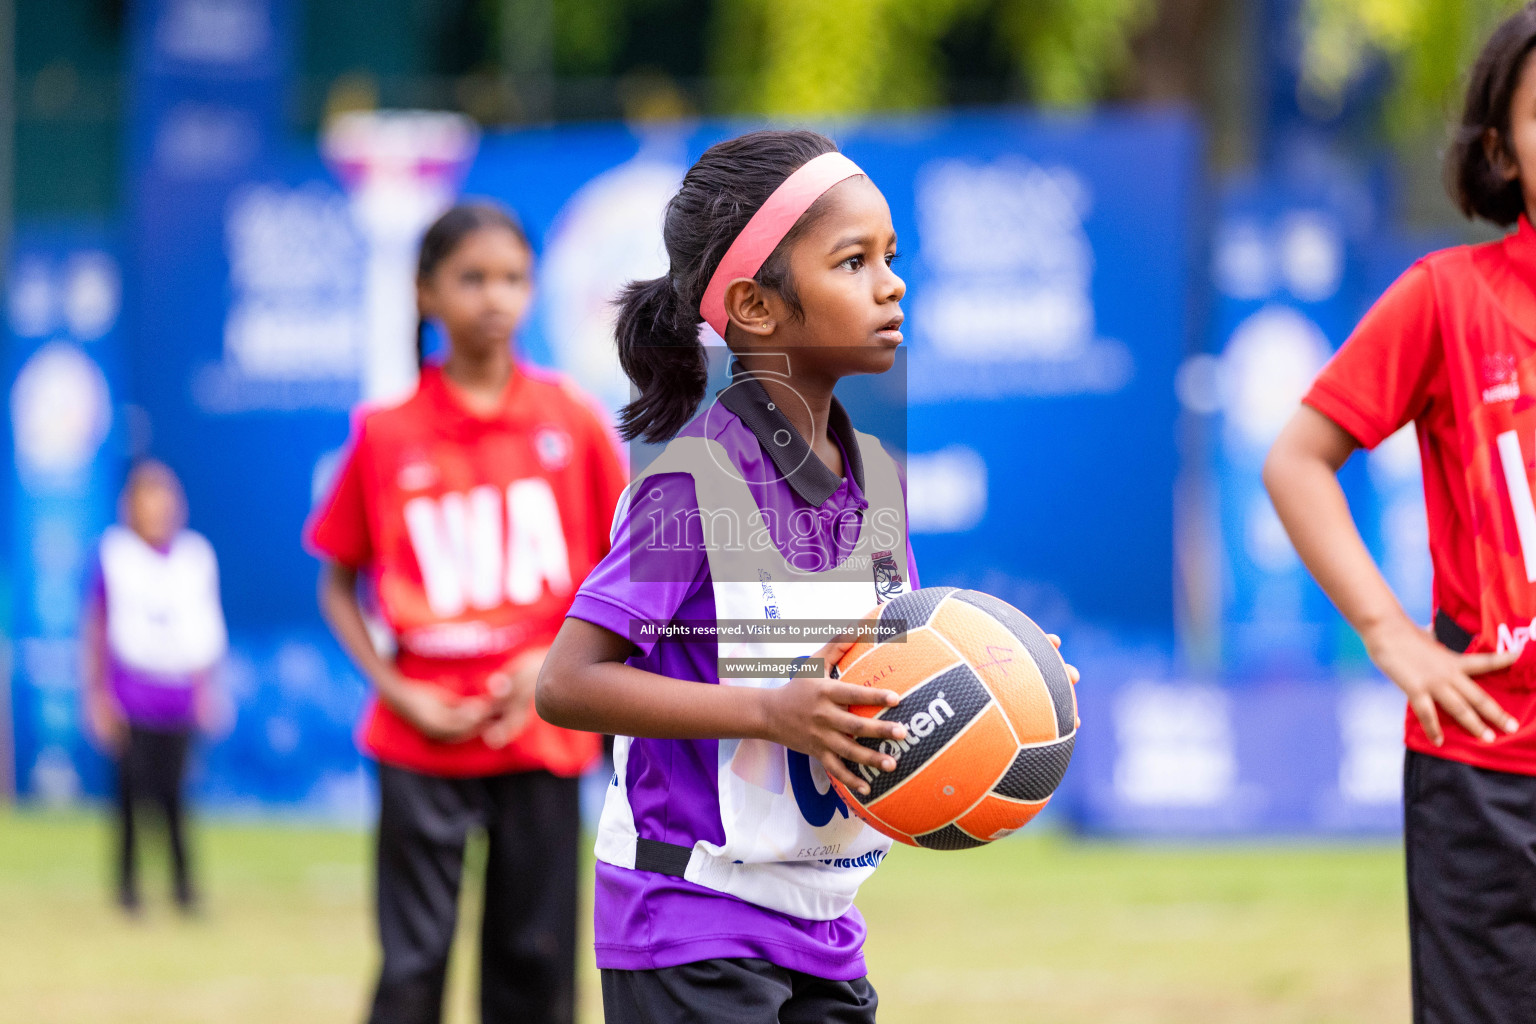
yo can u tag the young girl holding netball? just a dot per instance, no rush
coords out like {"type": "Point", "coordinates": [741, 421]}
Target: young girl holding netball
{"type": "Point", "coordinates": [473, 509]}
{"type": "Point", "coordinates": [1451, 348]}
{"type": "Point", "coordinates": [726, 870]}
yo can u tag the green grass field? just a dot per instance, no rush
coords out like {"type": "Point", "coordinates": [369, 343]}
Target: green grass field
{"type": "Point", "coordinates": [1036, 929]}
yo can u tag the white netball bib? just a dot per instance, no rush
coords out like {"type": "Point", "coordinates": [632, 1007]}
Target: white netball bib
{"type": "Point", "coordinates": [163, 612]}
{"type": "Point", "coordinates": [790, 843]}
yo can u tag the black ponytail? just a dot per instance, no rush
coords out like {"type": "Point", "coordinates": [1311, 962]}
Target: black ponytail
{"type": "Point", "coordinates": [657, 331]}
{"type": "Point", "coordinates": [445, 235]}
{"type": "Point", "coordinates": [659, 348]}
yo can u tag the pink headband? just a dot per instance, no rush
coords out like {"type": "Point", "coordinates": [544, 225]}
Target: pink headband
{"type": "Point", "coordinates": [768, 227]}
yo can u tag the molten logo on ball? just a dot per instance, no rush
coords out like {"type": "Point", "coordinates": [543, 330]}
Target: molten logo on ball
{"type": "Point", "coordinates": [919, 729]}
{"type": "Point", "coordinates": [990, 717]}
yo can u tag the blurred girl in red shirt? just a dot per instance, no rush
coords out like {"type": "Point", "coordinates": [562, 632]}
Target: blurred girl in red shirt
{"type": "Point", "coordinates": [472, 511]}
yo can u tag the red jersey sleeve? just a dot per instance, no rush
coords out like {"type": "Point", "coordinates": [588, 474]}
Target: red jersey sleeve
{"type": "Point", "coordinates": [338, 527]}
{"type": "Point", "coordinates": [1380, 379]}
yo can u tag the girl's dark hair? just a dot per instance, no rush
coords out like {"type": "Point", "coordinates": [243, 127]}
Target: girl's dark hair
{"type": "Point", "coordinates": [658, 322]}
{"type": "Point", "coordinates": [1474, 181]}
{"type": "Point", "coordinates": [444, 236]}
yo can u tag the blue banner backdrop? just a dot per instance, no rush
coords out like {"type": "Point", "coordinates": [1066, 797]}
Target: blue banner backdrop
{"type": "Point", "coordinates": [1164, 755]}
{"type": "Point", "coordinates": [1288, 282]}
{"type": "Point", "coordinates": [1051, 272]}
{"type": "Point", "coordinates": [1286, 729]}
{"type": "Point", "coordinates": [64, 368]}
{"type": "Point", "coordinates": [1048, 265]}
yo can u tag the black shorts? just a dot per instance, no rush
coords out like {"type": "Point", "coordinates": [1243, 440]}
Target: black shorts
{"type": "Point", "coordinates": [740, 991]}
{"type": "Point", "coordinates": [1470, 838]}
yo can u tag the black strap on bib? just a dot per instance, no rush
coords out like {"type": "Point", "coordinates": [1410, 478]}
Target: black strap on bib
{"type": "Point", "coordinates": [662, 858]}
{"type": "Point", "coordinates": [1450, 634]}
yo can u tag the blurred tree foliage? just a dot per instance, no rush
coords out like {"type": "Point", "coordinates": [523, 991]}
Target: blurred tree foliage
{"type": "Point", "coordinates": [793, 57]}
{"type": "Point", "coordinates": [815, 57]}
{"type": "Point", "coordinates": [1070, 51]}
{"type": "Point", "coordinates": [1428, 44]}
{"type": "Point", "coordinates": [587, 34]}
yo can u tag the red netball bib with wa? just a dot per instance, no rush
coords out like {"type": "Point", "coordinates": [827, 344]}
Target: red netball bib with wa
{"type": "Point", "coordinates": [476, 530]}
{"type": "Point", "coordinates": [1490, 352]}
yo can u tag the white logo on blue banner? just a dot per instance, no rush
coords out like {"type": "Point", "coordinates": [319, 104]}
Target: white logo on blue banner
{"type": "Point", "coordinates": [946, 489]}
{"type": "Point", "coordinates": [293, 331]}
{"type": "Point", "coordinates": [1266, 368]}
{"type": "Point", "coordinates": [61, 411]}
{"type": "Point", "coordinates": [294, 268]}
{"type": "Point", "coordinates": [1174, 746]}
{"type": "Point", "coordinates": [1008, 309]}
{"type": "Point", "coordinates": [214, 31]}
{"type": "Point", "coordinates": [1371, 744]}
{"type": "Point", "coordinates": [93, 294]}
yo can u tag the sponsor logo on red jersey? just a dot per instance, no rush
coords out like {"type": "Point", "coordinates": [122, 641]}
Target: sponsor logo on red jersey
{"type": "Point", "coordinates": [553, 447]}
{"type": "Point", "coordinates": [1500, 378]}
{"type": "Point", "coordinates": [1515, 639]}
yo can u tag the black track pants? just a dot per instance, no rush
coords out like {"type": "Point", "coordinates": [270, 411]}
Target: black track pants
{"type": "Point", "coordinates": [152, 770]}
{"type": "Point", "coordinates": [1470, 836]}
{"type": "Point", "coordinates": [528, 934]}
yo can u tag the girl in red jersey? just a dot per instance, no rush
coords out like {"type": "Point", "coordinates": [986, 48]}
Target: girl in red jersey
{"type": "Point", "coordinates": [473, 510]}
{"type": "Point", "coordinates": [1451, 348]}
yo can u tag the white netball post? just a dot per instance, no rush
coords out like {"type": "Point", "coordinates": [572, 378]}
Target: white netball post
{"type": "Point", "coordinates": [401, 169]}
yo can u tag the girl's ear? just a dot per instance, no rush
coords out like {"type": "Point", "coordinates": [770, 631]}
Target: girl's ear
{"type": "Point", "coordinates": [1498, 156]}
{"type": "Point", "coordinates": [750, 307]}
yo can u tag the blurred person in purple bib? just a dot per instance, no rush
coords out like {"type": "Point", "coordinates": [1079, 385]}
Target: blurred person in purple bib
{"type": "Point", "coordinates": [153, 633]}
